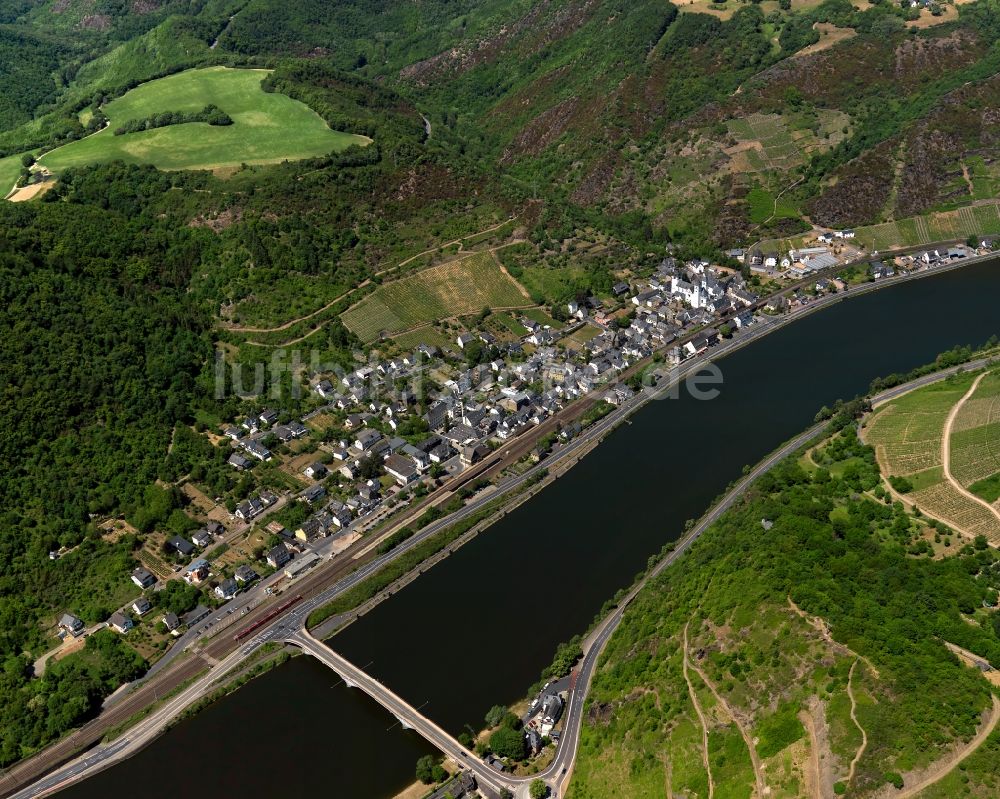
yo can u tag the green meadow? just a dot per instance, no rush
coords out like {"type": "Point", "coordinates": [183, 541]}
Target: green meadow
{"type": "Point", "coordinates": [10, 168]}
{"type": "Point", "coordinates": [267, 127]}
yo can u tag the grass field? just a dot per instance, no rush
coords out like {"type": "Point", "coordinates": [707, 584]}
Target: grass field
{"type": "Point", "coordinates": [540, 317]}
{"type": "Point", "coordinates": [267, 128]}
{"type": "Point", "coordinates": [10, 168]}
{"type": "Point", "coordinates": [579, 338]}
{"type": "Point", "coordinates": [457, 288]}
{"type": "Point", "coordinates": [907, 436]}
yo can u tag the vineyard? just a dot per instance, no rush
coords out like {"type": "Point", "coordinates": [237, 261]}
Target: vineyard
{"type": "Point", "coordinates": [907, 432]}
{"type": "Point", "coordinates": [938, 226]}
{"type": "Point", "coordinates": [975, 436]}
{"type": "Point", "coordinates": [907, 435]}
{"type": "Point", "coordinates": [457, 288]}
{"type": "Point", "coordinates": [778, 147]}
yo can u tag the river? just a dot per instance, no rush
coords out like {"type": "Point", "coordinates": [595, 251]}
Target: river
{"type": "Point", "coordinates": [479, 628]}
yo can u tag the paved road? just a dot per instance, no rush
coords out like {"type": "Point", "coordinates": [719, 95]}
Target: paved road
{"type": "Point", "coordinates": [290, 622]}
{"type": "Point", "coordinates": [560, 768]}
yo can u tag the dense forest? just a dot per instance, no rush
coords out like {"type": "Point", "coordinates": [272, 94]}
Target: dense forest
{"type": "Point", "coordinates": [104, 352]}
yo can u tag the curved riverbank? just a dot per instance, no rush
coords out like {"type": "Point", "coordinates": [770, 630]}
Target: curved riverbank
{"type": "Point", "coordinates": [480, 627]}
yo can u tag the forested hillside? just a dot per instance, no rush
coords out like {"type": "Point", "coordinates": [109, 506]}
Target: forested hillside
{"type": "Point", "coordinates": [805, 639]}
{"type": "Point", "coordinates": [692, 117]}
{"type": "Point", "coordinates": [104, 352]}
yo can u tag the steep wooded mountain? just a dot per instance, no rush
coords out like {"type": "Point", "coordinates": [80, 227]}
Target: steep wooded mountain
{"type": "Point", "coordinates": [693, 116]}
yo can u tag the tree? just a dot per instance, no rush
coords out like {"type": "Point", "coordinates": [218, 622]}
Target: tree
{"type": "Point", "coordinates": [538, 789]}
{"type": "Point", "coordinates": [495, 715]}
{"type": "Point", "coordinates": [509, 743]}
{"type": "Point", "coordinates": [425, 769]}
{"type": "Point", "coordinates": [27, 160]}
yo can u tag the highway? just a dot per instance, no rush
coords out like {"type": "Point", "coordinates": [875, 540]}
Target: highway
{"type": "Point", "coordinates": [289, 626]}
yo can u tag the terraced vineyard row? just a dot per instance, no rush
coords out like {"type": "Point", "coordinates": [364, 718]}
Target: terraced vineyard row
{"type": "Point", "coordinates": [974, 220]}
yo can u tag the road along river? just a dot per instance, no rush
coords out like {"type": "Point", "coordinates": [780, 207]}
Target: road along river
{"type": "Point", "coordinates": [478, 628]}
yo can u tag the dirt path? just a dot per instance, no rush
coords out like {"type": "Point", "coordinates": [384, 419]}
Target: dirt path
{"type": "Point", "coordinates": [854, 718]}
{"type": "Point", "coordinates": [814, 780]}
{"type": "Point", "coordinates": [668, 775]}
{"type": "Point", "coordinates": [502, 268]}
{"type": "Point", "coordinates": [968, 180]}
{"type": "Point", "coordinates": [974, 661]}
{"type": "Point", "coordinates": [820, 626]}
{"type": "Point", "coordinates": [701, 717]}
{"type": "Point", "coordinates": [943, 767]}
{"type": "Point", "coordinates": [448, 244]}
{"type": "Point", "coordinates": [758, 772]}
{"type": "Point", "coordinates": [363, 284]}
{"type": "Point", "coordinates": [946, 450]}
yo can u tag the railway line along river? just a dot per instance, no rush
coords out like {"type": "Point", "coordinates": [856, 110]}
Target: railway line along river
{"type": "Point", "coordinates": [479, 628]}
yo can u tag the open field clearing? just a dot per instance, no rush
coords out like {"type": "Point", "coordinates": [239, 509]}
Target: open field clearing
{"type": "Point", "coordinates": [460, 287]}
{"type": "Point", "coordinates": [267, 127]}
{"type": "Point", "coordinates": [10, 168]}
{"type": "Point", "coordinates": [829, 35]}
{"type": "Point", "coordinates": [31, 191]}
{"type": "Point", "coordinates": [949, 13]}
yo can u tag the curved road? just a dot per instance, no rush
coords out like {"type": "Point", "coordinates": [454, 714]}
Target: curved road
{"type": "Point", "coordinates": [289, 624]}
{"type": "Point", "coordinates": [561, 766]}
